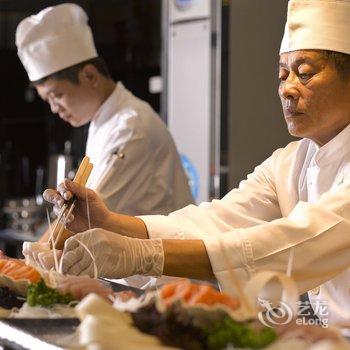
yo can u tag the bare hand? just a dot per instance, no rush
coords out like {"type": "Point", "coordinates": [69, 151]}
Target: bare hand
{"type": "Point", "coordinates": [89, 212]}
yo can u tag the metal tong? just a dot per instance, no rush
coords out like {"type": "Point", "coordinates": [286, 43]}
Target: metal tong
{"type": "Point", "coordinates": [81, 178]}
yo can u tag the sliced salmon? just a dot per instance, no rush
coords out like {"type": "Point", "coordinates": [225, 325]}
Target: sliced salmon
{"type": "Point", "coordinates": [17, 269]}
{"type": "Point", "coordinates": [209, 296]}
{"type": "Point", "coordinates": [2, 263]}
{"type": "Point", "coordinates": [177, 290]}
{"type": "Point", "coordinates": [194, 294]}
{"type": "Point", "coordinates": [9, 267]}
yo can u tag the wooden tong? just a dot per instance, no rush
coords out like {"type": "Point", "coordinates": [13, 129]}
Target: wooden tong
{"type": "Point", "coordinates": [59, 233]}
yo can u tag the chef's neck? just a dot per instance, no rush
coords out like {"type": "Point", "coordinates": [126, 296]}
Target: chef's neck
{"type": "Point", "coordinates": [106, 87]}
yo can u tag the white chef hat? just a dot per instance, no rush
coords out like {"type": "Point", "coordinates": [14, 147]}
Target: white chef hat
{"type": "Point", "coordinates": [317, 24]}
{"type": "Point", "coordinates": [54, 39]}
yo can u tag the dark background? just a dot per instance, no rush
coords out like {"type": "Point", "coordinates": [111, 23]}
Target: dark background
{"type": "Point", "coordinates": [127, 36]}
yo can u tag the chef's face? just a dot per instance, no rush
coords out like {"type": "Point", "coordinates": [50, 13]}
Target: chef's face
{"type": "Point", "coordinates": [74, 103]}
{"type": "Point", "coordinates": [315, 98]}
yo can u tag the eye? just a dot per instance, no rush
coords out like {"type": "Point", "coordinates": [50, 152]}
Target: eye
{"type": "Point", "coordinates": [283, 75]}
{"type": "Point", "coordinates": [304, 76]}
{"type": "Point", "coordinates": [58, 95]}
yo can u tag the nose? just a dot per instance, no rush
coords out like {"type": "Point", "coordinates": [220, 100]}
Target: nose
{"type": "Point", "coordinates": [53, 105]}
{"type": "Point", "coordinates": [288, 88]}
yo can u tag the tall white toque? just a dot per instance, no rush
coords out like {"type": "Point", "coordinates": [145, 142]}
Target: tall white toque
{"type": "Point", "coordinates": [317, 24]}
{"type": "Point", "coordinates": [54, 39]}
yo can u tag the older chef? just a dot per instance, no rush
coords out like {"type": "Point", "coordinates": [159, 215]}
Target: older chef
{"type": "Point", "coordinates": [137, 169]}
{"type": "Point", "coordinates": [298, 199]}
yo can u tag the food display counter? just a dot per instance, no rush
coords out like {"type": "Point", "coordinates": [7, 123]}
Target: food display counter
{"type": "Point", "coordinates": [45, 309]}
{"type": "Point", "coordinates": [38, 334]}
{"type": "Point", "coordinates": [174, 315]}
{"type": "Point", "coordinates": [45, 334]}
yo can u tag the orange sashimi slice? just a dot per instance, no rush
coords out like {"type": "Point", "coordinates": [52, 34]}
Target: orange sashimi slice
{"type": "Point", "coordinates": [29, 274]}
{"type": "Point", "coordinates": [9, 266]}
{"type": "Point", "coordinates": [194, 294]}
{"type": "Point", "coordinates": [177, 290]}
{"type": "Point", "coordinates": [2, 264]}
{"type": "Point", "coordinates": [209, 296]}
{"type": "Point", "coordinates": [17, 269]}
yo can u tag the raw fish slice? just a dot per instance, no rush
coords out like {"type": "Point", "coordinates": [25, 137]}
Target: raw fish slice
{"type": "Point", "coordinates": [16, 275]}
{"type": "Point", "coordinates": [124, 296]}
{"type": "Point", "coordinates": [2, 263]}
{"type": "Point", "coordinates": [193, 302]}
{"type": "Point", "coordinates": [31, 274]}
{"type": "Point", "coordinates": [77, 288]}
{"type": "Point", "coordinates": [80, 286]}
{"type": "Point", "coordinates": [193, 294]}
{"type": "Point", "coordinates": [66, 283]}
{"type": "Point", "coordinates": [184, 292]}
{"type": "Point", "coordinates": [21, 270]}
{"type": "Point", "coordinates": [169, 289]}
{"type": "Point", "coordinates": [208, 296]}
{"type": "Point", "coordinates": [10, 266]}
{"type": "Point", "coordinates": [99, 290]}
{"type": "Point", "coordinates": [17, 269]}
{"type": "Point", "coordinates": [178, 290]}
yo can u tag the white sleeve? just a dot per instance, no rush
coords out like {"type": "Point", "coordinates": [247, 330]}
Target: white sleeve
{"type": "Point", "coordinates": [253, 203]}
{"type": "Point", "coordinates": [318, 233]}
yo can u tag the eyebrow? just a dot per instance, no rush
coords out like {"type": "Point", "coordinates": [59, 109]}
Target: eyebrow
{"type": "Point", "coordinates": [47, 94]}
{"type": "Point", "coordinates": [44, 96]}
{"type": "Point", "coordinates": [51, 91]}
{"type": "Point", "coordinates": [300, 61]}
{"type": "Point", "coordinates": [41, 95]}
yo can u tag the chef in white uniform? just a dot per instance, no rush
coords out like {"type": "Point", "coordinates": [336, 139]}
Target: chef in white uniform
{"type": "Point", "coordinates": [137, 169]}
{"type": "Point", "coordinates": [297, 200]}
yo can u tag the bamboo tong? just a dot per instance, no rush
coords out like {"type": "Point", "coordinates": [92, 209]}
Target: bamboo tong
{"type": "Point", "coordinates": [81, 178]}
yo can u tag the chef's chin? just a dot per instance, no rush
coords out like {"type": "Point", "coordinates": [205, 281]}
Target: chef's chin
{"type": "Point", "coordinates": [74, 123]}
{"type": "Point", "coordinates": [294, 129]}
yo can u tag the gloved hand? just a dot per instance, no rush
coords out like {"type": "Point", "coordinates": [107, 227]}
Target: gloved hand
{"type": "Point", "coordinates": [86, 198]}
{"type": "Point", "coordinates": [116, 256]}
{"type": "Point", "coordinates": [40, 255]}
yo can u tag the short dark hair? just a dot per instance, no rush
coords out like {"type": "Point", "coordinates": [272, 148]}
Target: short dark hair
{"type": "Point", "coordinates": [72, 73]}
{"type": "Point", "coordinates": [341, 62]}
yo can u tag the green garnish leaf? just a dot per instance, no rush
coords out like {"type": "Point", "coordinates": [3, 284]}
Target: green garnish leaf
{"type": "Point", "coordinates": [241, 335]}
{"type": "Point", "coordinates": [40, 294]}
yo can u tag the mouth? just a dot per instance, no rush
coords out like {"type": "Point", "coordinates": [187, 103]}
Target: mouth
{"type": "Point", "coordinates": [292, 112]}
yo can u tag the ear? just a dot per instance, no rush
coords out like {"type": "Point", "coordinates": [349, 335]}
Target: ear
{"type": "Point", "coordinates": [89, 75]}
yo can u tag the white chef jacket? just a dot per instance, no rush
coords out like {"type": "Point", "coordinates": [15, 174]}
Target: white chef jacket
{"type": "Point", "coordinates": [300, 198]}
{"type": "Point", "coordinates": [137, 169]}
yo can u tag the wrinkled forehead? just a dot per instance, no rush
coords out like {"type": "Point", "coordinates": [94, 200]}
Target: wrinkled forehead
{"type": "Point", "coordinates": [301, 56]}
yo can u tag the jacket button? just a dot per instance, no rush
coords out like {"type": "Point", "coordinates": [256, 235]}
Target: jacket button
{"type": "Point", "coordinates": [315, 291]}
{"type": "Point", "coordinates": [340, 179]}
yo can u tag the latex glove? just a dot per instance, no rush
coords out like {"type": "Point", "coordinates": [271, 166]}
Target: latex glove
{"type": "Point", "coordinates": [40, 255]}
{"type": "Point", "coordinates": [116, 256]}
{"type": "Point", "coordinates": [86, 198]}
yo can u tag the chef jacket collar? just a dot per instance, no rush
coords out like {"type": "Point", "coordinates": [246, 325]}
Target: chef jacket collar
{"type": "Point", "coordinates": [334, 149]}
{"type": "Point", "coordinates": [109, 107]}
